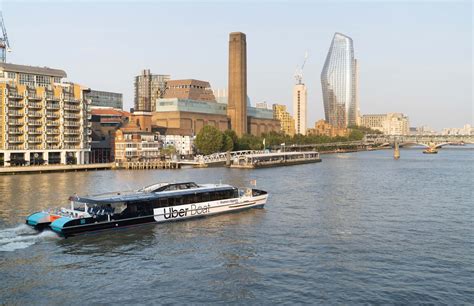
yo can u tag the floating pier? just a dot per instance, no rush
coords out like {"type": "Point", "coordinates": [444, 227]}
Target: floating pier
{"type": "Point", "coordinates": [148, 165]}
{"type": "Point", "coordinates": [266, 160]}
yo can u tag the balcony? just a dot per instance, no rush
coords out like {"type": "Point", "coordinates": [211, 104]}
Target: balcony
{"type": "Point", "coordinates": [52, 131]}
{"type": "Point", "coordinates": [35, 132]}
{"type": "Point", "coordinates": [15, 104]}
{"type": "Point", "coordinates": [72, 140]}
{"type": "Point", "coordinates": [51, 97]}
{"type": "Point", "coordinates": [35, 147]}
{"type": "Point", "coordinates": [72, 123]}
{"type": "Point", "coordinates": [14, 147]}
{"type": "Point", "coordinates": [35, 114]}
{"type": "Point", "coordinates": [35, 140]}
{"type": "Point", "coordinates": [72, 100]}
{"type": "Point", "coordinates": [35, 122]}
{"type": "Point", "coordinates": [72, 108]}
{"type": "Point", "coordinates": [15, 114]}
{"type": "Point", "coordinates": [34, 97]}
{"type": "Point", "coordinates": [71, 116]}
{"type": "Point", "coordinates": [15, 122]}
{"type": "Point", "coordinates": [52, 140]}
{"type": "Point", "coordinates": [52, 146]}
{"type": "Point", "coordinates": [16, 140]}
{"type": "Point", "coordinates": [71, 132]}
{"type": "Point", "coordinates": [52, 115]}
{"type": "Point", "coordinates": [35, 105]}
{"type": "Point", "coordinates": [15, 96]}
{"type": "Point", "coordinates": [52, 123]}
{"type": "Point", "coordinates": [15, 131]}
{"type": "Point", "coordinates": [53, 106]}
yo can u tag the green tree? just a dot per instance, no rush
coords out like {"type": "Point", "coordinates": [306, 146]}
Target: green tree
{"type": "Point", "coordinates": [168, 151]}
{"type": "Point", "coordinates": [250, 142]}
{"type": "Point", "coordinates": [227, 143]}
{"type": "Point", "coordinates": [233, 137]}
{"type": "Point", "coordinates": [209, 140]}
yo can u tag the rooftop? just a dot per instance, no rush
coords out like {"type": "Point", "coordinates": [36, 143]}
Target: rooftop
{"type": "Point", "coordinates": [33, 70]}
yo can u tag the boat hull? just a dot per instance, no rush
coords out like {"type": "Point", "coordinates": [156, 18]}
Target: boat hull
{"type": "Point", "coordinates": [68, 227]}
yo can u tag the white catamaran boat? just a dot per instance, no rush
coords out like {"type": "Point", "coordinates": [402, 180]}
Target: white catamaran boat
{"type": "Point", "coordinates": [156, 203]}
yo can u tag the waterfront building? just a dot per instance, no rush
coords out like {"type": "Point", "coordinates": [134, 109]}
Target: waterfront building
{"type": "Point", "coordinates": [43, 120]}
{"type": "Point", "coordinates": [131, 144]}
{"type": "Point", "coordinates": [100, 98]}
{"type": "Point", "coordinates": [287, 122]}
{"type": "Point", "coordinates": [467, 129]}
{"type": "Point", "coordinates": [189, 89]}
{"type": "Point", "coordinates": [186, 112]}
{"type": "Point", "coordinates": [300, 96]}
{"type": "Point", "coordinates": [105, 121]}
{"type": "Point", "coordinates": [323, 128]}
{"type": "Point", "coordinates": [184, 145]}
{"type": "Point", "coordinates": [339, 81]}
{"type": "Point", "coordinates": [389, 124]}
{"type": "Point", "coordinates": [148, 88]}
{"type": "Point", "coordinates": [237, 88]}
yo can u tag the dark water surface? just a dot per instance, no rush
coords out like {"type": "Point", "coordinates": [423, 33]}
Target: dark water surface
{"type": "Point", "coordinates": [356, 228]}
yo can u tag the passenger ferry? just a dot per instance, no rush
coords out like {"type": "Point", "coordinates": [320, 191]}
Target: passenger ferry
{"type": "Point", "coordinates": [156, 203]}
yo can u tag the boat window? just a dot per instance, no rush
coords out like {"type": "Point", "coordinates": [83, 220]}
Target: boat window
{"type": "Point", "coordinates": [178, 200]}
{"type": "Point", "coordinates": [163, 202]}
{"type": "Point", "coordinates": [205, 197]}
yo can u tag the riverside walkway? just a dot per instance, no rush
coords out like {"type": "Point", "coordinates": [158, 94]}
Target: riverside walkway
{"type": "Point", "coordinates": [54, 168]}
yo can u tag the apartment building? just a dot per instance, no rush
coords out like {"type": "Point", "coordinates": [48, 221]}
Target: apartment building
{"type": "Point", "coordinates": [43, 120]}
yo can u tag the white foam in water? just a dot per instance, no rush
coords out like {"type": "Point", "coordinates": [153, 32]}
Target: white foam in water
{"type": "Point", "coordinates": [21, 236]}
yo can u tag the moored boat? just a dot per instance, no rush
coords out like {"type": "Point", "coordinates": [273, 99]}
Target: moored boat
{"type": "Point", "coordinates": [430, 151]}
{"type": "Point", "coordinates": [156, 203]}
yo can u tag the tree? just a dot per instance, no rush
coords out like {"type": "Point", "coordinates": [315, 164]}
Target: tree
{"type": "Point", "coordinates": [234, 137]}
{"type": "Point", "coordinates": [250, 142]}
{"type": "Point", "coordinates": [227, 143]}
{"type": "Point", "coordinates": [209, 140]}
{"type": "Point", "coordinates": [168, 151]}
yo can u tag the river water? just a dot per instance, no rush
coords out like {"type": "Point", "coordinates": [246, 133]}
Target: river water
{"type": "Point", "coordinates": [356, 228]}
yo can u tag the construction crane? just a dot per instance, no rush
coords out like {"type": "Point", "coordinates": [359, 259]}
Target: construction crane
{"type": "Point", "coordinates": [4, 44]}
{"type": "Point", "coordinates": [299, 70]}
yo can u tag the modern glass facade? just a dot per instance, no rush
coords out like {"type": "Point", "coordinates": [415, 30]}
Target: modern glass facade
{"type": "Point", "coordinates": [339, 83]}
{"type": "Point", "coordinates": [105, 99]}
{"type": "Point", "coordinates": [148, 88]}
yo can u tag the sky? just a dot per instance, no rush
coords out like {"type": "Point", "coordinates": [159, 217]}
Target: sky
{"type": "Point", "coordinates": [414, 57]}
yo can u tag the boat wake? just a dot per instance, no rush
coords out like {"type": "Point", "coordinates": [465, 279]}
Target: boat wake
{"type": "Point", "coordinates": [21, 237]}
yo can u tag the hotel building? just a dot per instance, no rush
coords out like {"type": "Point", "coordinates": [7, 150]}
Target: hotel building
{"type": "Point", "coordinates": [43, 120]}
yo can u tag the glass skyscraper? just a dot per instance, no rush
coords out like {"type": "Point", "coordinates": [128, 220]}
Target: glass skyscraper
{"type": "Point", "coordinates": [339, 83]}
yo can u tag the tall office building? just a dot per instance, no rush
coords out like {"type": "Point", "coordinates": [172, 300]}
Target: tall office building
{"type": "Point", "coordinates": [42, 118]}
{"type": "Point", "coordinates": [148, 88]}
{"type": "Point", "coordinates": [237, 103]}
{"type": "Point", "coordinates": [339, 83]}
{"type": "Point", "coordinates": [300, 97]}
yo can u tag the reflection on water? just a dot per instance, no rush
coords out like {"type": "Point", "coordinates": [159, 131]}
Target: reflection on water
{"type": "Point", "coordinates": [359, 228]}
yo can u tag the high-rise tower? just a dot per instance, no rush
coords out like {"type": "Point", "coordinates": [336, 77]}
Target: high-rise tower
{"type": "Point", "coordinates": [300, 96]}
{"type": "Point", "coordinates": [237, 91]}
{"type": "Point", "coordinates": [148, 88]}
{"type": "Point", "coordinates": [339, 83]}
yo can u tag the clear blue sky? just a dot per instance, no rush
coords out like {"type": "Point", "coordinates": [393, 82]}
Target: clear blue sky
{"type": "Point", "coordinates": [415, 57]}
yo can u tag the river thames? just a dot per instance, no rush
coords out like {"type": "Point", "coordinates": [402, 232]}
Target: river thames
{"type": "Point", "coordinates": [356, 228]}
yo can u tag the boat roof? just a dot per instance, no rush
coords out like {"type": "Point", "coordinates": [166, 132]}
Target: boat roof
{"type": "Point", "coordinates": [147, 193]}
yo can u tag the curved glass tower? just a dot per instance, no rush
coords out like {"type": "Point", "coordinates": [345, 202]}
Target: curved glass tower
{"type": "Point", "coordinates": [339, 83]}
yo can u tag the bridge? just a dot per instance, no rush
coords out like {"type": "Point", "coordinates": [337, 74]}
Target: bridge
{"type": "Point", "coordinates": [428, 141]}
